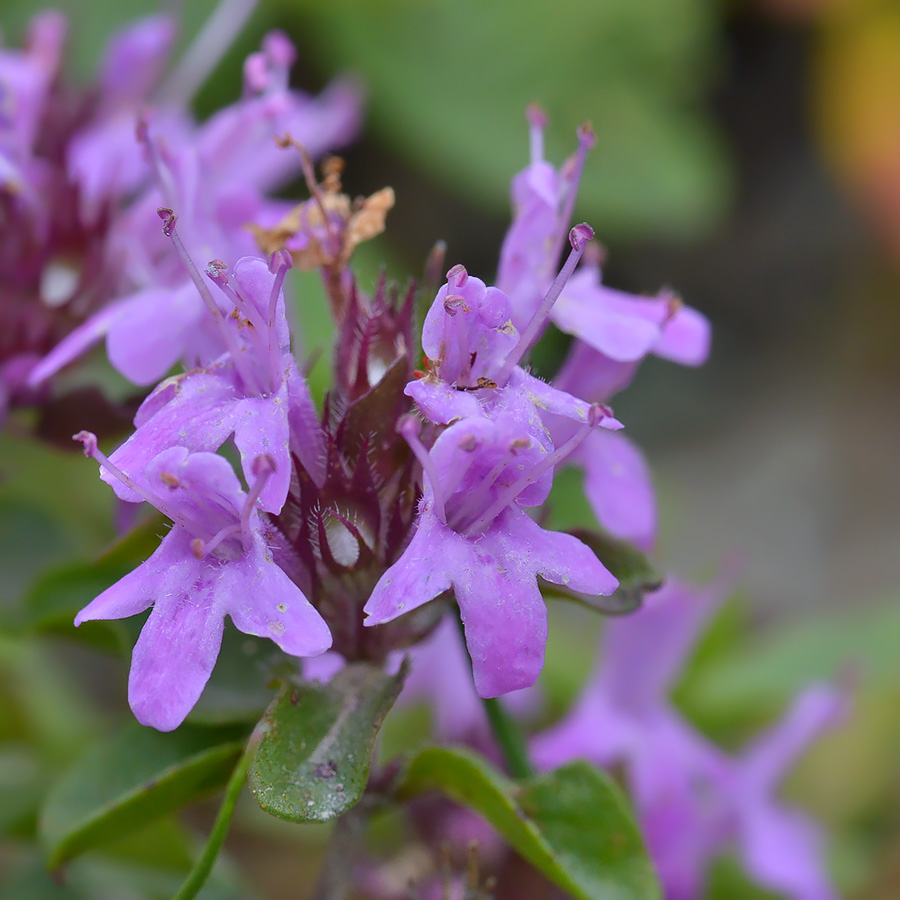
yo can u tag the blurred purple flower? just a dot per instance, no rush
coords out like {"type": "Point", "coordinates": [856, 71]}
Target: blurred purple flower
{"type": "Point", "coordinates": [693, 800]}
{"type": "Point", "coordinates": [82, 174]}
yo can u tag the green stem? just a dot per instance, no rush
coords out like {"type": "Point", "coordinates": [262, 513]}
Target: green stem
{"type": "Point", "coordinates": [506, 730]}
{"type": "Point", "coordinates": [200, 872]}
{"type": "Point", "coordinates": [509, 738]}
{"type": "Point", "coordinates": [335, 880]}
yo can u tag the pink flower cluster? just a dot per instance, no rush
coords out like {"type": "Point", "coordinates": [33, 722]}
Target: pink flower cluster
{"type": "Point", "coordinates": [118, 210]}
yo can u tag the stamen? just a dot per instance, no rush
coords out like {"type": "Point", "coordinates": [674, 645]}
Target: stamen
{"type": "Point", "coordinates": [88, 441]}
{"type": "Point", "coordinates": [408, 427]}
{"type": "Point", "coordinates": [455, 475]}
{"type": "Point", "coordinates": [453, 306]}
{"type": "Point", "coordinates": [283, 260]}
{"type": "Point", "coordinates": [597, 413]}
{"type": "Point", "coordinates": [201, 548]}
{"type": "Point", "coordinates": [578, 238]}
{"type": "Point", "coordinates": [263, 467]}
{"type": "Point", "coordinates": [537, 122]}
{"type": "Point", "coordinates": [475, 498]}
{"type": "Point", "coordinates": [207, 48]}
{"type": "Point", "coordinates": [169, 219]}
{"type": "Point", "coordinates": [312, 185]}
{"type": "Point", "coordinates": [281, 53]}
{"type": "Point", "coordinates": [674, 303]}
{"type": "Point", "coordinates": [586, 140]}
{"type": "Point", "coordinates": [216, 271]}
{"type": "Point", "coordinates": [458, 276]}
{"type": "Point", "coordinates": [162, 171]}
{"type": "Point", "coordinates": [433, 266]}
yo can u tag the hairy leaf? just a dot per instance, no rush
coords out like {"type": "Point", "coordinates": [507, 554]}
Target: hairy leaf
{"type": "Point", "coordinates": [313, 759]}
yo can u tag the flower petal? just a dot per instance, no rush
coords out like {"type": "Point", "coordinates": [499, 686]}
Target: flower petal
{"type": "Point", "coordinates": [263, 601]}
{"type": "Point", "coordinates": [619, 487]}
{"type": "Point", "coordinates": [175, 654]}
{"type": "Point", "coordinates": [419, 575]}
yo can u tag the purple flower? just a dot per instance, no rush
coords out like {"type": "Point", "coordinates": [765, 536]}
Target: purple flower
{"type": "Point", "coordinates": [103, 158]}
{"type": "Point", "coordinates": [216, 176]}
{"type": "Point", "coordinates": [441, 677]}
{"type": "Point", "coordinates": [693, 800]}
{"type": "Point", "coordinates": [214, 562]}
{"type": "Point", "coordinates": [474, 537]}
{"type": "Point", "coordinates": [253, 393]}
{"type": "Point", "coordinates": [542, 200]}
{"type": "Point", "coordinates": [623, 327]}
{"type": "Point", "coordinates": [474, 351]}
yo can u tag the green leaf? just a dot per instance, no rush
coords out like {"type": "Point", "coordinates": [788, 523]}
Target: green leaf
{"type": "Point", "coordinates": [764, 673]}
{"type": "Point", "coordinates": [122, 784]}
{"type": "Point", "coordinates": [54, 599]}
{"type": "Point", "coordinates": [313, 759]}
{"type": "Point", "coordinates": [571, 824]}
{"type": "Point", "coordinates": [52, 507]}
{"type": "Point", "coordinates": [239, 688]}
{"type": "Point", "coordinates": [448, 84]}
{"type": "Point", "coordinates": [635, 572]}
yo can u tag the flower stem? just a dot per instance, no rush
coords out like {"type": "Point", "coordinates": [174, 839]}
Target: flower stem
{"type": "Point", "coordinates": [509, 738]}
{"type": "Point", "coordinates": [200, 872]}
{"type": "Point", "coordinates": [506, 731]}
{"type": "Point", "coordinates": [336, 876]}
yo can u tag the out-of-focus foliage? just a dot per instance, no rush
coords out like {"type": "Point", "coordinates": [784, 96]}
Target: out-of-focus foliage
{"type": "Point", "coordinates": [571, 824]}
{"type": "Point", "coordinates": [122, 785]}
{"type": "Point", "coordinates": [858, 105]}
{"type": "Point", "coordinates": [448, 83]}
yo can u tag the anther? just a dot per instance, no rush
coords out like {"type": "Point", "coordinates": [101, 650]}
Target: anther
{"type": "Point", "coordinates": [457, 276]}
{"type": "Point", "coordinates": [536, 116]}
{"type": "Point", "coordinates": [88, 442]}
{"type": "Point", "coordinates": [580, 235]}
{"type": "Point", "coordinates": [198, 548]}
{"type": "Point", "coordinates": [674, 303]}
{"type": "Point", "coordinates": [586, 136]}
{"type": "Point", "coordinates": [169, 219]}
{"type": "Point", "coordinates": [256, 73]}
{"type": "Point", "coordinates": [597, 413]}
{"type": "Point", "coordinates": [454, 304]}
{"type": "Point", "coordinates": [280, 259]}
{"type": "Point", "coordinates": [262, 465]}
{"type": "Point", "coordinates": [469, 443]}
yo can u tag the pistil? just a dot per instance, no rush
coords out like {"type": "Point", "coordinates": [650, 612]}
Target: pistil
{"type": "Point", "coordinates": [408, 427]}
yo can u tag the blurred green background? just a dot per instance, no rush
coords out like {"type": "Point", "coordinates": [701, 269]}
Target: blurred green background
{"type": "Point", "coordinates": [748, 155]}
